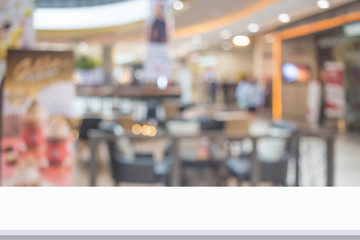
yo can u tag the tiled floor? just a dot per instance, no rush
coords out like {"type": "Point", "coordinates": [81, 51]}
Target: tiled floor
{"type": "Point", "coordinates": [347, 161]}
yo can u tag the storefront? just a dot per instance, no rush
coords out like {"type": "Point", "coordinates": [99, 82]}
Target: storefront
{"type": "Point", "coordinates": [342, 45]}
{"type": "Point", "coordinates": [321, 52]}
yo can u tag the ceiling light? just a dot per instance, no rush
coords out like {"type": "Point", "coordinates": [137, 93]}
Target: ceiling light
{"type": "Point", "coordinates": [226, 46]}
{"type": "Point", "coordinates": [178, 5]}
{"type": "Point", "coordinates": [284, 18]}
{"type": "Point", "coordinates": [241, 41]}
{"type": "Point", "coordinates": [323, 4]}
{"type": "Point", "coordinates": [253, 27]}
{"type": "Point", "coordinates": [225, 34]}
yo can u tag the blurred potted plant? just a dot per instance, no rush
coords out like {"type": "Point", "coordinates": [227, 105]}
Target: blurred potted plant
{"type": "Point", "coordinates": [89, 71]}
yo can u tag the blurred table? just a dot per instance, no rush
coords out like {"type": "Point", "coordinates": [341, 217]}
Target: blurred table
{"type": "Point", "coordinates": [298, 139]}
{"type": "Point", "coordinates": [97, 136]}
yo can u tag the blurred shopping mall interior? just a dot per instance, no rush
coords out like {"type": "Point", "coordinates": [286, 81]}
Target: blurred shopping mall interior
{"type": "Point", "coordinates": [180, 92]}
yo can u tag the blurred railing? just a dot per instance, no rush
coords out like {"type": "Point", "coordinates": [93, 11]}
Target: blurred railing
{"type": "Point", "coordinates": [314, 158]}
{"type": "Point", "coordinates": [312, 153]}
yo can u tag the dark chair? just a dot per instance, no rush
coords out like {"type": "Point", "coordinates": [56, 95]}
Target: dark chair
{"type": "Point", "coordinates": [152, 105]}
{"type": "Point", "coordinates": [274, 171]}
{"type": "Point", "coordinates": [207, 123]}
{"type": "Point", "coordinates": [87, 124]}
{"type": "Point", "coordinates": [205, 172]}
{"type": "Point", "coordinates": [198, 168]}
{"type": "Point", "coordinates": [239, 168]}
{"type": "Point", "coordinates": [142, 169]}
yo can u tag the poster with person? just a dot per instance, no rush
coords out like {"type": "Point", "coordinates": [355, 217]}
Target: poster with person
{"type": "Point", "coordinates": [158, 33]}
{"type": "Point", "coordinates": [37, 141]}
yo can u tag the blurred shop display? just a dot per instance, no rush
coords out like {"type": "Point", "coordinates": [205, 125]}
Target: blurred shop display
{"type": "Point", "coordinates": [334, 90]}
{"type": "Point", "coordinates": [16, 27]}
{"type": "Point", "coordinates": [37, 139]}
{"type": "Point", "coordinates": [204, 95]}
{"type": "Point", "coordinates": [339, 57]}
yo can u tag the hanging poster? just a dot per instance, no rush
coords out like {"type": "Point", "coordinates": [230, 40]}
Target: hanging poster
{"type": "Point", "coordinates": [158, 31]}
{"type": "Point", "coordinates": [37, 141]}
{"type": "Point", "coordinates": [16, 27]}
{"type": "Point", "coordinates": [334, 90]}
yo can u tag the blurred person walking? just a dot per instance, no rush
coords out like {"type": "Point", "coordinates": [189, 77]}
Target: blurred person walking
{"type": "Point", "coordinates": [268, 93]}
{"type": "Point", "coordinates": [210, 77]}
{"type": "Point", "coordinates": [213, 87]}
{"type": "Point", "coordinates": [249, 96]}
{"type": "Point", "coordinates": [225, 91]}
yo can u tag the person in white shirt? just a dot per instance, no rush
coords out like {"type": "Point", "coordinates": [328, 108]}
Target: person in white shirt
{"type": "Point", "coordinates": [313, 102]}
{"type": "Point", "coordinates": [185, 82]}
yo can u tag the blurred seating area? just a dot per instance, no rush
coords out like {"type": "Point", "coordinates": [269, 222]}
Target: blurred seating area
{"type": "Point", "coordinates": [180, 92]}
{"type": "Point", "coordinates": [196, 146]}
